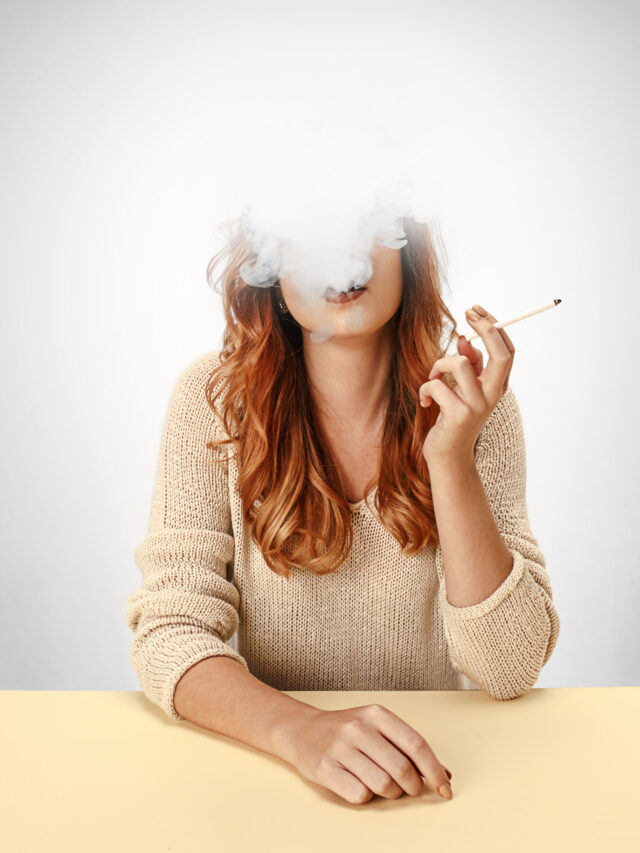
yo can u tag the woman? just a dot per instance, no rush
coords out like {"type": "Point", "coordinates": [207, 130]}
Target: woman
{"type": "Point", "coordinates": [369, 533]}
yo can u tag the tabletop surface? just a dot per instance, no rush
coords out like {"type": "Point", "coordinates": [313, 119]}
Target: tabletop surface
{"type": "Point", "coordinates": [555, 769]}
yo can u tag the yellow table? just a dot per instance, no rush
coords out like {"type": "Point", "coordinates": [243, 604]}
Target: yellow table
{"type": "Point", "coordinates": [556, 769]}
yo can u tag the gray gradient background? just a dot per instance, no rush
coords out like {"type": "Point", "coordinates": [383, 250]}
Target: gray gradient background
{"type": "Point", "coordinates": [115, 120]}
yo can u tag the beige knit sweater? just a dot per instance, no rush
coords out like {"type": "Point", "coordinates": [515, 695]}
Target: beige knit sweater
{"type": "Point", "coordinates": [382, 622]}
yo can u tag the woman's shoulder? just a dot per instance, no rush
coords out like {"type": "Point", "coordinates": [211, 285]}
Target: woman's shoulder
{"type": "Point", "coordinates": [200, 367]}
{"type": "Point", "coordinates": [189, 399]}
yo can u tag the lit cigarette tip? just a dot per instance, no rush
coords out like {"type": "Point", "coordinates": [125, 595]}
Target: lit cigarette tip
{"type": "Point", "coordinates": [557, 301]}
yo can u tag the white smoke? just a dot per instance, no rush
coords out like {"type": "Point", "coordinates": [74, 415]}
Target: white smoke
{"type": "Point", "coordinates": [313, 205]}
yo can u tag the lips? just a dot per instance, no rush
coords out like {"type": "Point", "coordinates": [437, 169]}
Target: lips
{"type": "Point", "coordinates": [337, 296]}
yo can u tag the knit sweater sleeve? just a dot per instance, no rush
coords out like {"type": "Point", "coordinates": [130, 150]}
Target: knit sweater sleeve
{"type": "Point", "coordinates": [503, 642]}
{"type": "Point", "coordinates": [185, 609]}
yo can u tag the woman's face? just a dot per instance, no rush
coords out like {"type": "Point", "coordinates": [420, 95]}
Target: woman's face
{"type": "Point", "coordinates": [379, 301]}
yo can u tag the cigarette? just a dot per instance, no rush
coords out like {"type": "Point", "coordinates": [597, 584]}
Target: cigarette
{"type": "Point", "coordinates": [504, 323]}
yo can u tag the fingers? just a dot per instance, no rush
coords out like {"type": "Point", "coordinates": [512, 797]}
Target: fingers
{"type": "Point", "coordinates": [414, 747]}
{"type": "Point", "coordinates": [465, 376]}
{"type": "Point", "coordinates": [505, 337]}
{"type": "Point", "coordinates": [449, 402]}
{"type": "Point", "coordinates": [474, 354]}
{"type": "Point", "coordinates": [375, 776]}
{"type": "Point", "coordinates": [349, 787]}
{"type": "Point", "coordinates": [392, 768]}
{"type": "Point", "coordinates": [475, 357]}
{"type": "Point", "coordinates": [500, 357]}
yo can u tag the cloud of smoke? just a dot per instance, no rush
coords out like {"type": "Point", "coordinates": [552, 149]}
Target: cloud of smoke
{"type": "Point", "coordinates": [314, 205]}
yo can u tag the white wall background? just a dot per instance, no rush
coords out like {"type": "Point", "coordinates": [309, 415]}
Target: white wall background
{"type": "Point", "coordinates": [119, 122]}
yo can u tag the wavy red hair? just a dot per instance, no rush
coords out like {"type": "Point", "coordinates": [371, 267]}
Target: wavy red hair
{"type": "Point", "coordinates": [270, 417]}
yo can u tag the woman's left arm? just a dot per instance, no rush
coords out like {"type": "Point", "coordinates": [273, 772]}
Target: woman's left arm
{"type": "Point", "coordinates": [500, 621]}
{"type": "Point", "coordinates": [495, 595]}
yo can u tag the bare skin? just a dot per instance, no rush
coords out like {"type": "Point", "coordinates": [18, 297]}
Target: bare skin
{"type": "Point", "coordinates": [369, 750]}
{"type": "Point", "coordinates": [348, 372]}
{"type": "Point", "coordinates": [360, 752]}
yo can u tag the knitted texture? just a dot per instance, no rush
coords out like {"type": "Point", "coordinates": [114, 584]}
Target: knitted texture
{"type": "Point", "coordinates": [381, 622]}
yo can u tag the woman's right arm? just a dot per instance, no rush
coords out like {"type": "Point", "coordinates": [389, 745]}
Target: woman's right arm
{"type": "Point", "coordinates": [355, 752]}
{"type": "Point", "coordinates": [186, 610]}
{"type": "Point", "coordinates": [222, 696]}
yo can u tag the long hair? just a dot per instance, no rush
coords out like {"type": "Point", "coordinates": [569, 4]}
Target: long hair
{"type": "Point", "coordinates": [291, 490]}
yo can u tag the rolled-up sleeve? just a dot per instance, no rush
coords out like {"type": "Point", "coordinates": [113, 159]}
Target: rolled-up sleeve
{"type": "Point", "coordinates": [185, 609]}
{"type": "Point", "coordinates": [503, 642]}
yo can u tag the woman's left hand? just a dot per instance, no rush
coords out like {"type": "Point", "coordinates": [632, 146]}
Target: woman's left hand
{"type": "Point", "coordinates": [465, 409]}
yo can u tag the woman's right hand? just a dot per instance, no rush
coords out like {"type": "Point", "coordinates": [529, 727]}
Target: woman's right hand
{"type": "Point", "coordinates": [360, 752]}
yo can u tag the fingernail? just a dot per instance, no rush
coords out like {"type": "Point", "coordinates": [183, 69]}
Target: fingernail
{"type": "Point", "coordinates": [445, 791]}
{"type": "Point", "coordinates": [473, 315]}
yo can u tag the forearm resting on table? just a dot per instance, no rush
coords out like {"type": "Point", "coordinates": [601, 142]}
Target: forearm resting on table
{"type": "Point", "coordinates": [220, 695]}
